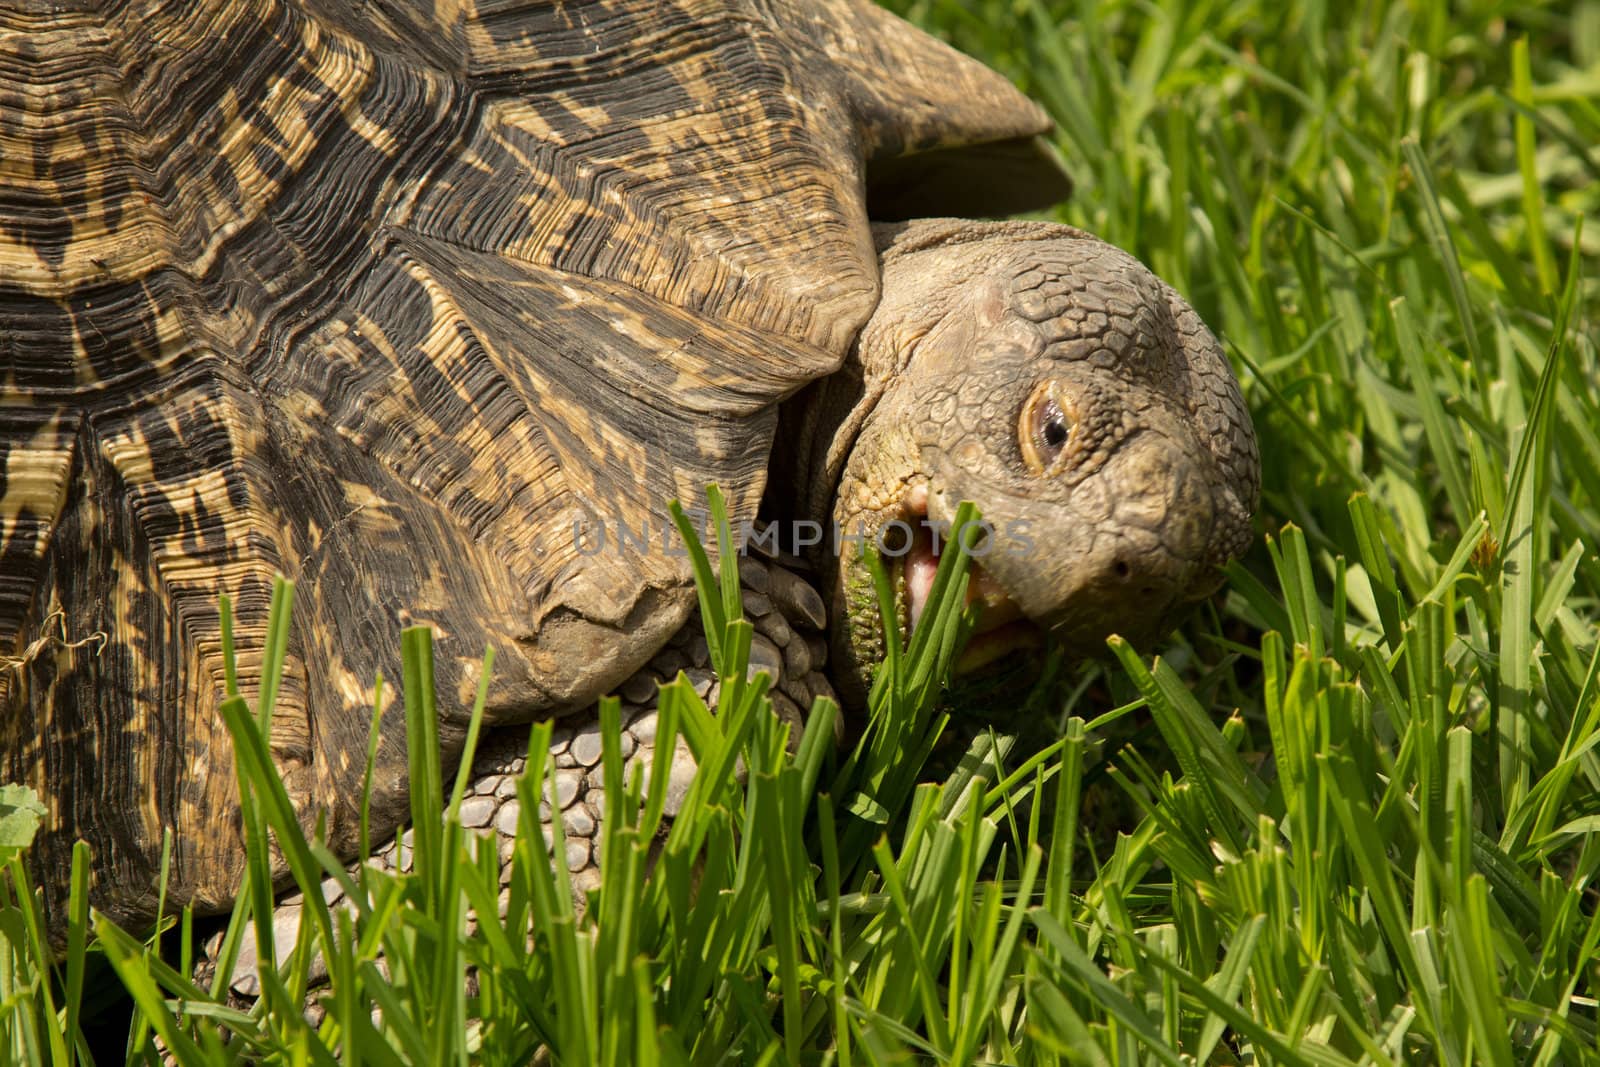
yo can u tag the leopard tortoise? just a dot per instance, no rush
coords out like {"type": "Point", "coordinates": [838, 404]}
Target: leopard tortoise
{"type": "Point", "coordinates": [409, 300]}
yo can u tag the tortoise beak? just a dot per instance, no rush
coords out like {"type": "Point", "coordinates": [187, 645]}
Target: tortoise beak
{"type": "Point", "coordinates": [1002, 629]}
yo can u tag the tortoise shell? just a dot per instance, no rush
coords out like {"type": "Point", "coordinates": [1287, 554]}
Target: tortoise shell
{"type": "Point", "coordinates": [393, 298]}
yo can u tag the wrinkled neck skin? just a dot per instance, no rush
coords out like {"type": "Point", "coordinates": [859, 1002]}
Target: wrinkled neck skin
{"type": "Point", "coordinates": [819, 427]}
{"type": "Point", "coordinates": [1052, 380]}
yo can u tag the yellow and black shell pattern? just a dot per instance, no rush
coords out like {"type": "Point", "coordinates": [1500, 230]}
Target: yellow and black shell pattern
{"type": "Point", "coordinates": [386, 298]}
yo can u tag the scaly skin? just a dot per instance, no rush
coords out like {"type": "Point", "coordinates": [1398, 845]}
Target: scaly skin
{"type": "Point", "coordinates": [1116, 518]}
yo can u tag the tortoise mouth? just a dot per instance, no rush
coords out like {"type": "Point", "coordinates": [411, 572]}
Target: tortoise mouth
{"type": "Point", "coordinates": [1002, 630]}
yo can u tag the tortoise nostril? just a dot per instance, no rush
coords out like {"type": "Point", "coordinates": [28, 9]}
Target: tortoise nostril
{"type": "Point", "coordinates": [1122, 568]}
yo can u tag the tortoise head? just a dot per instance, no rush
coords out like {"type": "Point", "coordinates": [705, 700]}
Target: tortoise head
{"type": "Point", "coordinates": [1078, 401]}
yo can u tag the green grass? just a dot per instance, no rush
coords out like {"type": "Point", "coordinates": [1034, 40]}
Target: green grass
{"type": "Point", "coordinates": [1350, 816]}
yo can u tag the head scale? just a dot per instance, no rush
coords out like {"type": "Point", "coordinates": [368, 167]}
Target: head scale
{"type": "Point", "coordinates": [1076, 399]}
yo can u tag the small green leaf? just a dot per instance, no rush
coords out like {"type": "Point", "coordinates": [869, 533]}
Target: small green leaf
{"type": "Point", "coordinates": [21, 813]}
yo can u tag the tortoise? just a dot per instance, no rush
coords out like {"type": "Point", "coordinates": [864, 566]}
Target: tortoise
{"type": "Point", "coordinates": [412, 301]}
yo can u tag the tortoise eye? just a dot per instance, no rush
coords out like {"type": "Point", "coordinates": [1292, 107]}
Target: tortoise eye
{"type": "Point", "coordinates": [1044, 428]}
